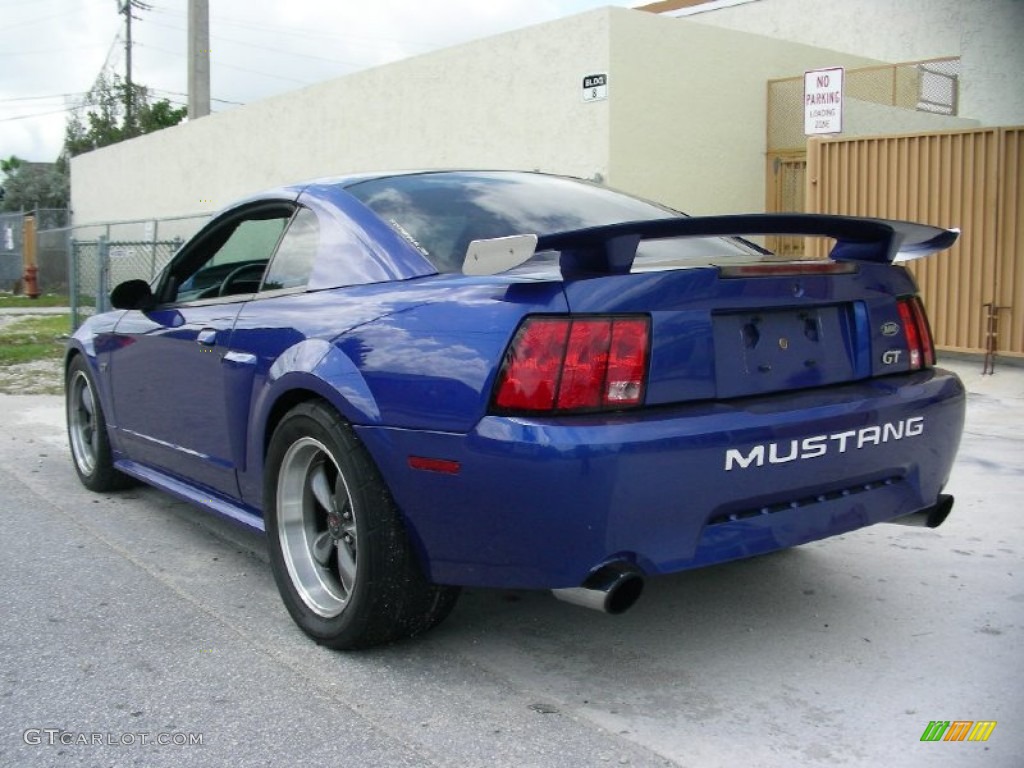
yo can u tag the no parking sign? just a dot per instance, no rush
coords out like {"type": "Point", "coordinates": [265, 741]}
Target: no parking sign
{"type": "Point", "coordinates": [823, 101]}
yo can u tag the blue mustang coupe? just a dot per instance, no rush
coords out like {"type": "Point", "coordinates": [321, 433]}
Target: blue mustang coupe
{"type": "Point", "coordinates": [419, 381]}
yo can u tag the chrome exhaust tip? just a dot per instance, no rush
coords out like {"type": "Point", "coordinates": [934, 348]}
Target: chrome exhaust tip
{"type": "Point", "coordinates": [932, 517]}
{"type": "Point", "coordinates": [612, 588]}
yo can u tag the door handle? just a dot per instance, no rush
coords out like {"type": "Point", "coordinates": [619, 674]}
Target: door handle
{"type": "Point", "coordinates": [207, 337]}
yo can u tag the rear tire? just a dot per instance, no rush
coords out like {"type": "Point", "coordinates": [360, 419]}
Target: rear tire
{"type": "Point", "coordinates": [87, 431]}
{"type": "Point", "coordinates": [340, 554]}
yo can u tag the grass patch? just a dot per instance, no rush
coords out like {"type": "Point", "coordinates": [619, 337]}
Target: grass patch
{"type": "Point", "coordinates": [33, 338]}
{"type": "Point", "coordinates": [9, 300]}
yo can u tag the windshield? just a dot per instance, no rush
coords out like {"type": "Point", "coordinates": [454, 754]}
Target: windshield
{"type": "Point", "coordinates": [442, 213]}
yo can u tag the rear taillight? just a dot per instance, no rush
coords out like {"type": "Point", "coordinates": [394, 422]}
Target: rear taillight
{"type": "Point", "coordinates": [916, 333]}
{"type": "Point", "coordinates": [559, 365]}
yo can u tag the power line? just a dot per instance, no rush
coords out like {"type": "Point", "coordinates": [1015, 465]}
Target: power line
{"type": "Point", "coordinates": [106, 61]}
{"type": "Point", "coordinates": [221, 38]}
{"type": "Point", "coordinates": [41, 98]}
{"type": "Point", "coordinates": [35, 114]}
{"type": "Point", "coordinates": [99, 75]}
{"type": "Point", "coordinates": [179, 93]}
{"type": "Point", "coordinates": [62, 15]}
{"type": "Point", "coordinates": [36, 21]}
{"type": "Point", "coordinates": [26, 3]}
{"type": "Point", "coordinates": [229, 66]}
{"type": "Point", "coordinates": [307, 33]}
{"type": "Point", "coordinates": [49, 50]}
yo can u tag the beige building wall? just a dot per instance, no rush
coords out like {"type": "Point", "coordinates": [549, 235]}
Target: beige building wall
{"type": "Point", "coordinates": [511, 101]}
{"type": "Point", "coordinates": [865, 118]}
{"type": "Point", "coordinates": [985, 34]}
{"type": "Point", "coordinates": [688, 109]}
{"type": "Point", "coordinates": [684, 121]}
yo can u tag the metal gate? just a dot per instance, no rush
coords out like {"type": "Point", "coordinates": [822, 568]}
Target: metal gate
{"type": "Point", "coordinates": [11, 231]}
{"type": "Point", "coordinates": [967, 179]}
{"type": "Point", "coordinates": [787, 184]}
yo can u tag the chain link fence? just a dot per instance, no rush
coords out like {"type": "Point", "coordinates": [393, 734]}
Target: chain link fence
{"type": "Point", "coordinates": [52, 233]}
{"type": "Point", "coordinates": [96, 266]}
{"type": "Point", "coordinates": [100, 256]}
{"type": "Point", "coordinates": [925, 86]}
{"type": "Point", "coordinates": [85, 262]}
{"type": "Point", "coordinates": [11, 232]}
{"type": "Point", "coordinates": [51, 248]}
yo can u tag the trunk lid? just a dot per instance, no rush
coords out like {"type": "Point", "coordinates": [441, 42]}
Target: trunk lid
{"type": "Point", "coordinates": [715, 336]}
{"type": "Point", "coordinates": [742, 323]}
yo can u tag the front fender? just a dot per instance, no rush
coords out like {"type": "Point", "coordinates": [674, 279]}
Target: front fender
{"type": "Point", "coordinates": [94, 340]}
{"type": "Point", "coordinates": [92, 335]}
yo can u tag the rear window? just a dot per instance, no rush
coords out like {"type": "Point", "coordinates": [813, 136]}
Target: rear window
{"type": "Point", "coordinates": [442, 213]}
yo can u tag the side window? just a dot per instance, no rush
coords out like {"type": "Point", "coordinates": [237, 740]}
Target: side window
{"type": "Point", "coordinates": [293, 261]}
{"type": "Point", "coordinates": [230, 260]}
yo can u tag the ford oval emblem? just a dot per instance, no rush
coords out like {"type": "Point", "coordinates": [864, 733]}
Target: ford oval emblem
{"type": "Point", "coordinates": [890, 329]}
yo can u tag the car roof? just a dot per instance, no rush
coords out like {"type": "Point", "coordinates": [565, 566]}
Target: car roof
{"type": "Point", "coordinates": [351, 179]}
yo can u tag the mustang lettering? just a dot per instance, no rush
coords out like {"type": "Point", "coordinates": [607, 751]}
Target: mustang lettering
{"type": "Point", "coordinates": [819, 445]}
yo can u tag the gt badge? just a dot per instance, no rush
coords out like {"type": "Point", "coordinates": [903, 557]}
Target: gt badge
{"type": "Point", "coordinates": [891, 356]}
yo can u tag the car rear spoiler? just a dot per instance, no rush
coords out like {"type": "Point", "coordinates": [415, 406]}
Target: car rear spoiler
{"type": "Point", "coordinates": [611, 249]}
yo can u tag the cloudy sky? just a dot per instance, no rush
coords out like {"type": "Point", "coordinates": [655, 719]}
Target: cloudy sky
{"type": "Point", "coordinates": [52, 50]}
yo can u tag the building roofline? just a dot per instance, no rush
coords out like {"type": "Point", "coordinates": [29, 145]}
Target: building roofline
{"type": "Point", "coordinates": [688, 7]}
{"type": "Point", "coordinates": [667, 5]}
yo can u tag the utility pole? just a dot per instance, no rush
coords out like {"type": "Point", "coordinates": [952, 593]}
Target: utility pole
{"type": "Point", "coordinates": [125, 7]}
{"type": "Point", "coordinates": [129, 94]}
{"type": "Point", "coordinates": [198, 58]}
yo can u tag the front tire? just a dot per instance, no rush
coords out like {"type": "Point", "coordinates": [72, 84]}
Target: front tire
{"type": "Point", "coordinates": [87, 431]}
{"type": "Point", "coordinates": [340, 555]}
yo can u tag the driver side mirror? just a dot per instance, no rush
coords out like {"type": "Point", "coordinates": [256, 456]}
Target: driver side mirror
{"type": "Point", "coordinates": [133, 294]}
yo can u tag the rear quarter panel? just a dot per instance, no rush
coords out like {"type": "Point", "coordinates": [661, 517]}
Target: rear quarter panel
{"type": "Point", "coordinates": [419, 354]}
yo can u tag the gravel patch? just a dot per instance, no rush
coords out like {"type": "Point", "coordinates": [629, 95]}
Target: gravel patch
{"type": "Point", "coordinates": [40, 377]}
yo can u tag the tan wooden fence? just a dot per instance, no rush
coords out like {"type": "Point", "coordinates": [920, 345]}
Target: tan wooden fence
{"type": "Point", "coordinates": [967, 179]}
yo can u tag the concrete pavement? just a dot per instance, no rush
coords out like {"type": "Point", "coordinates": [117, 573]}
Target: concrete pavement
{"type": "Point", "coordinates": [137, 614]}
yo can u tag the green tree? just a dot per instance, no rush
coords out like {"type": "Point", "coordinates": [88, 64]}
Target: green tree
{"type": "Point", "coordinates": [103, 119]}
{"type": "Point", "coordinates": [33, 185]}
{"type": "Point", "coordinates": [100, 121]}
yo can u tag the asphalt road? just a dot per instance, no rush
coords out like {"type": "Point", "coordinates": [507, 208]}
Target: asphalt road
{"type": "Point", "coordinates": [133, 618]}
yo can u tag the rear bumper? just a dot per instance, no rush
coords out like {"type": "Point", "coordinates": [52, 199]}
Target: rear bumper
{"type": "Point", "coordinates": [541, 503]}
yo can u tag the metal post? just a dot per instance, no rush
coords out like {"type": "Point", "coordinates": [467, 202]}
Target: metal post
{"type": "Point", "coordinates": [69, 234]}
{"type": "Point", "coordinates": [103, 274]}
{"type": "Point", "coordinates": [73, 280]}
{"type": "Point", "coordinates": [152, 250]}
